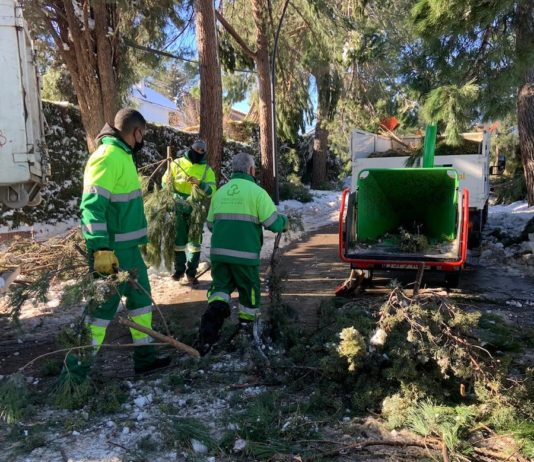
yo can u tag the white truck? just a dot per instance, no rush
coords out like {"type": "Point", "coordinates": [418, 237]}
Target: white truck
{"type": "Point", "coordinates": [473, 167]}
{"type": "Point", "coordinates": [23, 165]}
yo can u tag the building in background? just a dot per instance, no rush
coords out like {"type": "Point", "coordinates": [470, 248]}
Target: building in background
{"type": "Point", "coordinates": [155, 107]}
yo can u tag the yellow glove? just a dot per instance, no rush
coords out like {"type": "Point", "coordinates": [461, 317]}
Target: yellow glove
{"type": "Point", "coordinates": [106, 262]}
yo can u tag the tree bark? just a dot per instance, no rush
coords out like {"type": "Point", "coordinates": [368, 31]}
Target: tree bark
{"type": "Point", "coordinates": [261, 59]}
{"type": "Point", "coordinates": [320, 138]}
{"type": "Point", "coordinates": [320, 152]}
{"type": "Point", "coordinates": [525, 95]}
{"type": "Point", "coordinates": [211, 112]}
{"type": "Point", "coordinates": [91, 53]}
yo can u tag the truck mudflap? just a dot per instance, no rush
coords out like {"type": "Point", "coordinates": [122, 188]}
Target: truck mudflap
{"type": "Point", "coordinates": [400, 262]}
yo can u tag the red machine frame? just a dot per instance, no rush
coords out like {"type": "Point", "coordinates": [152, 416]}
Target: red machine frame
{"type": "Point", "coordinates": [385, 263]}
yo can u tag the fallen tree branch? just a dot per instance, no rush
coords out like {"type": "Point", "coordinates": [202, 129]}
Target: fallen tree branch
{"type": "Point", "coordinates": [499, 456]}
{"type": "Point", "coordinates": [364, 444]}
{"type": "Point", "coordinates": [84, 347]}
{"type": "Point", "coordinates": [162, 338]}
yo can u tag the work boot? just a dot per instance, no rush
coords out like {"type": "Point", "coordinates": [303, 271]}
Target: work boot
{"type": "Point", "coordinates": [178, 275]}
{"type": "Point", "coordinates": [191, 280]}
{"type": "Point", "coordinates": [211, 324]}
{"type": "Point", "coordinates": [146, 359]}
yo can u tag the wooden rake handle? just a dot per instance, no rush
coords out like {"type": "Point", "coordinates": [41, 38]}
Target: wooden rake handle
{"type": "Point", "coordinates": [162, 338]}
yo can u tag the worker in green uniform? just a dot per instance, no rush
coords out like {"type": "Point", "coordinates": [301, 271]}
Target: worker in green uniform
{"type": "Point", "coordinates": [185, 173]}
{"type": "Point", "coordinates": [238, 211]}
{"type": "Point", "coordinates": [114, 226]}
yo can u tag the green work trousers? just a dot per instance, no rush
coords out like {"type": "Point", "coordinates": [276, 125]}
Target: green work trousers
{"type": "Point", "coordinates": [226, 277]}
{"type": "Point", "coordinates": [186, 253]}
{"type": "Point", "coordinates": [139, 306]}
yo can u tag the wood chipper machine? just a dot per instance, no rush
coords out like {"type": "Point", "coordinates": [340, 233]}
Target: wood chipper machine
{"type": "Point", "coordinates": [405, 219]}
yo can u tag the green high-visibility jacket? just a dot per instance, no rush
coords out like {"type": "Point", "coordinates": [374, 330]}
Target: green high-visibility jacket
{"type": "Point", "coordinates": [181, 168]}
{"type": "Point", "coordinates": [112, 208]}
{"type": "Point", "coordinates": [237, 213]}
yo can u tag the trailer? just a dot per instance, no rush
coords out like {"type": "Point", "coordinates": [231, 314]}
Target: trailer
{"type": "Point", "coordinates": [23, 165]}
{"type": "Point", "coordinates": [406, 218]}
{"type": "Point", "coordinates": [472, 164]}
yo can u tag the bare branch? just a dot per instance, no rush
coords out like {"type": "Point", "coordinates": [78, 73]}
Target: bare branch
{"type": "Point", "coordinates": [235, 35]}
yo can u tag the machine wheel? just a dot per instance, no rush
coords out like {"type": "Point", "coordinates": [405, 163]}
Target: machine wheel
{"type": "Point", "coordinates": [452, 279]}
{"type": "Point", "coordinates": [475, 233]}
{"type": "Point", "coordinates": [368, 278]}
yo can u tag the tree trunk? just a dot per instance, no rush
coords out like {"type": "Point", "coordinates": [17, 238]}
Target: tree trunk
{"type": "Point", "coordinates": [264, 85]}
{"type": "Point", "coordinates": [525, 96]}
{"type": "Point", "coordinates": [320, 138]}
{"type": "Point", "coordinates": [320, 151]}
{"type": "Point", "coordinates": [90, 53]}
{"type": "Point", "coordinates": [211, 113]}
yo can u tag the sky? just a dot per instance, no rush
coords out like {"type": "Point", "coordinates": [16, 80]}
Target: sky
{"type": "Point", "coordinates": [186, 45]}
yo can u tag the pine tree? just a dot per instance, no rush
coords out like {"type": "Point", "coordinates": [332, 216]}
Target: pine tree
{"type": "Point", "coordinates": [492, 44]}
{"type": "Point", "coordinates": [91, 38]}
{"type": "Point", "coordinates": [211, 111]}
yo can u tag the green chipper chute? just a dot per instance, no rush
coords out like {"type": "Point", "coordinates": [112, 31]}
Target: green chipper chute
{"type": "Point", "coordinates": [421, 200]}
{"type": "Point", "coordinates": [405, 218]}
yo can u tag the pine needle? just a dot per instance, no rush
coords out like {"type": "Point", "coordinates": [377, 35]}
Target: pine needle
{"type": "Point", "coordinates": [13, 398]}
{"type": "Point", "coordinates": [160, 210]}
{"type": "Point", "coordinates": [200, 203]}
{"type": "Point", "coordinates": [451, 104]}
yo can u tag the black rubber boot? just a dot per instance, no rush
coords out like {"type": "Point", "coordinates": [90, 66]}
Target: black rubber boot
{"type": "Point", "coordinates": [211, 324]}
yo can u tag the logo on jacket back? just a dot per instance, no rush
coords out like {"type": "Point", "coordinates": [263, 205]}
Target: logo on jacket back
{"type": "Point", "coordinates": [233, 190]}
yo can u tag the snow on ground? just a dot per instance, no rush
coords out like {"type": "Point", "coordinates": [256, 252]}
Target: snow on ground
{"type": "Point", "coordinates": [323, 210]}
{"type": "Point", "coordinates": [150, 407]}
{"type": "Point", "coordinates": [510, 220]}
{"type": "Point", "coordinates": [41, 231]}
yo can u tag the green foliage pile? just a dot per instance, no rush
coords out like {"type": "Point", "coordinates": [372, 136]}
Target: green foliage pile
{"type": "Point", "coordinates": [409, 241]}
{"type": "Point", "coordinates": [160, 211]}
{"type": "Point", "coordinates": [14, 402]}
{"type": "Point", "coordinates": [424, 363]}
{"type": "Point", "coordinates": [200, 204]}
{"type": "Point", "coordinates": [292, 188]}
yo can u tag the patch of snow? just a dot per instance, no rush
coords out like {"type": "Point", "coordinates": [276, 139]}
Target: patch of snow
{"type": "Point", "coordinates": [510, 218]}
{"type": "Point", "coordinates": [142, 401]}
{"type": "Point", "coordinates": [42, 231]}
{"type": "Point", "coordinates": [198, 447]}
{"type": "Point", "coordinates": [239, 445]}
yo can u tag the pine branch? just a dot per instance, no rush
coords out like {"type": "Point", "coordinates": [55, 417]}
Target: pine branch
{"type": "Point", "coordinates": [235, 35]}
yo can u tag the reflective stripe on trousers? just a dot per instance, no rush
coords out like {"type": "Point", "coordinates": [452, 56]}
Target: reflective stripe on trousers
{"type": "Point", "coordinates": [219, 296]}
{"type": "Point", "coordinates": [248, 314]}
{"type": "Point", "coordinates": [144, 319]}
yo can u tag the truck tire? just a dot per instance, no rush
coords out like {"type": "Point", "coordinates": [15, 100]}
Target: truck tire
{"type": "Point", "coordinates": [474, 238]}
{"type": "Point", "coordinates": [452, 279]}
{"type": "Point", "coordinates": [350, 221]}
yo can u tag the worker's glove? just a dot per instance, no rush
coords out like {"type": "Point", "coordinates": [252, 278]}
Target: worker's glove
{"type": "Point", "coordinates": [211, 324]}
{"type": "Point", "coordinates": [105, 262]}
